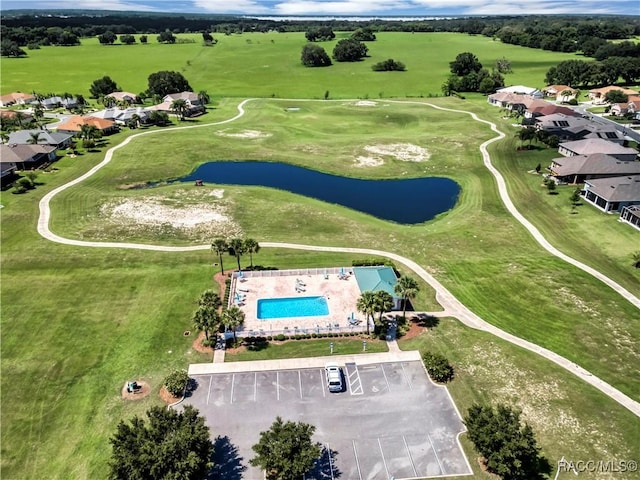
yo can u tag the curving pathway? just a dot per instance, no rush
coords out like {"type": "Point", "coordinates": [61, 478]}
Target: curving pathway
{"type": "Point", "coordinates": [453, 307]}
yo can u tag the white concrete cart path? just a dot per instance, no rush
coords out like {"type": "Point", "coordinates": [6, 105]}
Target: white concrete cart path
{"type": "Point", "coordinates": [451, 305]}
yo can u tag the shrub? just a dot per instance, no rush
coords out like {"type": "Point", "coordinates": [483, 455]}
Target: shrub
{"type": "Point", "coordinates": [176, 382]}
{"type": "Point", "coordinates": [280, 337]}
{"type": "Point", "coordinates": [314, 335]}
{"type": "Point", "coordinates": [389, 65]}
{"type": "Point", "coordinates": [438, 367]}
{"type": "Point", "coordinates": [269, 338]}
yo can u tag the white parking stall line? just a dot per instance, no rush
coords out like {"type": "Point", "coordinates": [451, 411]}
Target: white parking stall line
{"type": "Point", "coordinates": [355, 454]}
{"type": "Point", "coordinates": [255, 386]}
{"type": "Point", "coordinates": [300, 382]}
{"type": "Point", "coordinates": [434, 452]}
{"type": "Point", "coordinates": [384, 462]}
{"type": "Point", "coordinates": [324, 393]}
{"type": "Point", "coordinates": [233, 378]}
{"type": "Point", "coordinates": [278, 385]}
{"type": "Point", "coordinates": [413, 465]}
{"type": "Point", "coordinates": [406, 377]}
{"type": "Point", "coordinates": [386, 380]}
{"type": "Point", "coordinates": [355, 385]}
{"type": "Point", "coordinates": [209, 389]}
{"type": "Point", "coordinates": [330, 460]}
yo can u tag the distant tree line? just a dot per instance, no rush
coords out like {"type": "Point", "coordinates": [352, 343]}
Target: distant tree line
{"type": "Point", "coordinates": [586, 34]}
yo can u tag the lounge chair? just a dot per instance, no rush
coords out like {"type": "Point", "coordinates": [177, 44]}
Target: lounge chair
{"type": "Point", "coordinates": [242, 290]}
{"type": "Point", "coordinates": [300, 283]}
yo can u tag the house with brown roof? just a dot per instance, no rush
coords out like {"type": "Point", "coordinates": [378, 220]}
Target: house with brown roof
{"type": "Point", "coordinates": [25, 156]}
{"type": "Point", "coordinates": [597, 145]}
{"type": "Point", "coordinates": [557, 91]}
{"type": "Point", "coordinates": [18, 98]}
{"type": "Point", "coordinates": [579, 168]}
{"type": "Point", "coordinates": [549, 109]}
{"type": "Point", "coordinates": [613, 194]}
{"type": "Point", "coordinates": [74, 125]}
{"type": "Point", "coordinates": [15, 115]}
{"type": "Point", "coordinates": [597, 94]}
{"type": "Point", "coordinates": [632, 105]}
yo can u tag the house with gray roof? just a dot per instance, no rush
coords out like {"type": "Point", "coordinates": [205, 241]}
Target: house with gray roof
{"type": "Point", "coordinates": [55, 139]}
{"type": "Point", "coordinates": [578, 168]}
{"type": "Point", "coordinates": [613, 194]}
{"type": "Point", "coordinates": [558, 123]}
{"type": "Point", "coordinates": [597, 145]}
{"type": "Point", "coordinates": [25, 156]}
{"type": "Point", "coordinates": [122, 116]}
{"type": "Point", "coordinates": [595, 130]}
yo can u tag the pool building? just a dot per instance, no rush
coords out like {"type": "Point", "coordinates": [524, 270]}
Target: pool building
{"type": "Point", "coordinates": [316, 300]}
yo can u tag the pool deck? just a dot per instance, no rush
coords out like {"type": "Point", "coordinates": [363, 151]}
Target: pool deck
{"type": "Point", "coordinates": [341, 295]}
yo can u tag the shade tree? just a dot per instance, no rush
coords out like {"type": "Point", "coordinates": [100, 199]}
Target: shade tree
{"type": "Point", "coordinates": [286, 451]}
{"type": "Point", "coordinates": [165, 82]}
{"type": "Point", "coordinates": [314, 56]}
{"type": "Point", "coordinates": [320, 34]}
{"type": "Point", "coordinates": [103, 86]}
{"type": "Point", "coordinates": [349, 50]}
{"type": "Point", "coordinates": [168, 444]}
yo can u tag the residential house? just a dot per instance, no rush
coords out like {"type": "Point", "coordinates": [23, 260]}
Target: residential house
{"type": "Point", "coordinates": [55, 139]}
{"type": "Point", "coordinates": [613, 194]}
{"type": "Point", "coordinates": [74, 125]}
{"type": "Point", "coordinates": [123, 97]}
{"type": "Point", "coordinates": [595, 130]}
{"type": "Point", "coordinates": [579, 168]}
{"type": "Point", "coordinates": [557, 123]}
{"type": "Point", "coordinates": [538, 110]}
{"type": "Point", "coordinates": [597, 95]}
{"type": "Point", "coordinates": [16, 116]}
{"type": "Point", "coordinates": [121, 116]}
{"type": "Point", "coordinates": [8, 169]}
{"type": "Point", "coordinates": [194, 105]}
{"type": "Point", "coordinates": [597, 145]}
{"type": "Point", "coordinates": [522, 90]}
{"type": "Point", "coordinates": [631, 215]}
{"type": "Point", "coordinates": [632, 105]}
{"type": "Point", "coordinates": [16, 98]}
{"type": "Point", "coordinates": [25, 156]}
{"type": "Point", "coordinates": [557, 92]}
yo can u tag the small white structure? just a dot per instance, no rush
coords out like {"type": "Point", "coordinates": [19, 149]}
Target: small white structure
{"type": "Point", "coordinates": [522, 90]}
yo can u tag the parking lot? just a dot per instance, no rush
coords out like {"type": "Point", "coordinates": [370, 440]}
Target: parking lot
{"type": "Point", "coordinates": [389, 421]}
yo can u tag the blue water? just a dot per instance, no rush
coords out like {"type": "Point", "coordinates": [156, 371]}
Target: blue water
{"type": "Point", "coordinates": [270, 308]}
{"type": "Point", "coordinates": [407, 201]}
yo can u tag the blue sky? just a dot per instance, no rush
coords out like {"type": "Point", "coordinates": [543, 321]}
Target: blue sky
{"type": "Point", "coordinates": [345, 7]}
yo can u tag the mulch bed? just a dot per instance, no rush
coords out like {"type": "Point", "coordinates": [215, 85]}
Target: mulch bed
{"type": "Point", "coordinates": [198, 347]}
{"type": "Point", "coordinates": [139, 394]}
{"type": "Point", "coordinates": [167, 397]}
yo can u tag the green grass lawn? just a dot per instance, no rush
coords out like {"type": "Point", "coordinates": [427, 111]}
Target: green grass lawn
{"type": "Point", "coordinates": [268, 64]}
{"type": "Point", "coordinates": [77, 322]}
{"type": "Point", "coordinates": [306, 349]}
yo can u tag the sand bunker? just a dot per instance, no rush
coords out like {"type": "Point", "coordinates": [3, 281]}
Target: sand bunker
{"type": "Point", "coordinates": [153, 212]}
{"type": "Point", "coordinates": [405, 152]}
{"type": "Point", "coordinates": [217, 193]}
{"type": "Point", "coordinates": [245, 134]}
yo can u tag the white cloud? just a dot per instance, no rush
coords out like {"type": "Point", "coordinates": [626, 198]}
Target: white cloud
{"type": "Point", "coordinates": [348, 7]}
{"type": "Point", "coordinates": [231, 6]}
{"type": "Point", "coordinates": [91, 5]}
{"type": "Point", "coordinates": [537, 8]}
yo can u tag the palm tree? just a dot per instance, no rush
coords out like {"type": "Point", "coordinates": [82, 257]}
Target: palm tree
{"type": "Point", "coordinates": [206, 319]}
{"type": "Point", "coordinates": [366, 305]}
{"type": "Point", "coordinates": [179, 107]}
{"type": "Point", "coordinates": [233, 318]}
{"type": "Point", "coordinates": [407, 288]}
{"type": "Point", "coordinates": [38, 112]}
{"type": "Point", "coordinates": [236, 248]}
{"type": "Point", "coordinates": [89, 132]}
{"type": "Point", "coordinates": [108, 101]}
{"type": "Point", "coordinates": [566, 95]}
{"type": "Point", "coordinates": [211, 299]}
{"type": "Point", "coordinates": [219, 246]}
{"type": "Point", "coordinates": [526, 134]}
{"type": "Point", "coordinates": [383, 303]}
{"type": "Point", "coordinates": [251, 247]}
{"type": "Point", "coordinates": [34, 138]}
{"type": "Point", "coordinates": [203, 97]}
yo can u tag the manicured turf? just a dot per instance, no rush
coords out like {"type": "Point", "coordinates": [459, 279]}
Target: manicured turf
{"type": "Point", "coordinates": [268, 64]}
{"type": "Point", "coordinates": [306, 349]}
{"type": "Point", "coordinates": [77, 323]}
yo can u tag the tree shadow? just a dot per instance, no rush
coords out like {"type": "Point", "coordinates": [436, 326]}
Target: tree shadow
{"type": "Point", "coordinates": [325, 467]}
{"type": "Point", "coordinates": [192, 385]}
{"type": "Point", "coordinates": [427, 321]}
{"type": "Point", "coordinates": [227, 463]}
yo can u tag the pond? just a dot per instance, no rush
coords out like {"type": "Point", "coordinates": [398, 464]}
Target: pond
{"type": "Point", "coordinates": [407, 201]}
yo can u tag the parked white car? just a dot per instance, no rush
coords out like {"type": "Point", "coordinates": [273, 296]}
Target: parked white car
{"type": "Point", "coordinates": [334, 377]}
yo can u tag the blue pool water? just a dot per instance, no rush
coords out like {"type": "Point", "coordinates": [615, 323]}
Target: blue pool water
{"type": "Point", "coordinates": [270, 308]}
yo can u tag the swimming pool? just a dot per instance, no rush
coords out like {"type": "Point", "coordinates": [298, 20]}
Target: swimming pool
{"type": "Point", "coordinates": [271, 308]}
